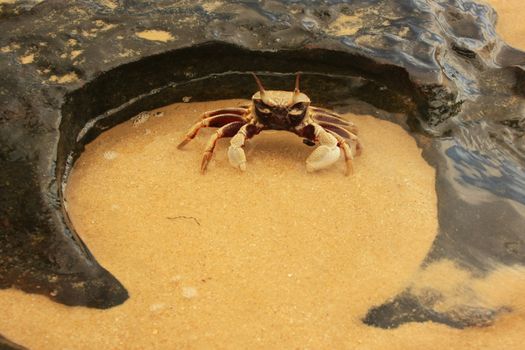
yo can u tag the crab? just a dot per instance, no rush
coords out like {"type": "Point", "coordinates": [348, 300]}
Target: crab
{"type": "Point", "coordinates": [280, 110]}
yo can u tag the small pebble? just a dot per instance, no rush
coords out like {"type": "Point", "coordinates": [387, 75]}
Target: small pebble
{"type": "Point", "coordinates": [156, 307]}
{"type": "Point", "coordinates": [140, 118]}
{"type": "Point", "coordinates": [176, 278]}
{"type": "Point", "coordinates": [110, 155]}
{"type": "Point", "coordinates": [189, 292]}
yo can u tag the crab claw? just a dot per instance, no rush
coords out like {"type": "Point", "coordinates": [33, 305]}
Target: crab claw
{"type": "Point", "coordinates": [237, 157]}
{"type": "Point", "coordinates": [322, 157]}
{"type": "Point", "coordinates": [236, 154]}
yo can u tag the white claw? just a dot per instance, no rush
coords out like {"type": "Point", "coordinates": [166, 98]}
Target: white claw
{"type": "Point", "coordinates": [236, 154]}
{"type": "Point", "coordinates": [237, 157]}
{"type": "Point", "coordinates": [322, 157]}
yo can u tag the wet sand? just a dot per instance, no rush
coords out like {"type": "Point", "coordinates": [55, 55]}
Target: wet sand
{"type": "Point", "coordinates": [271, 258]}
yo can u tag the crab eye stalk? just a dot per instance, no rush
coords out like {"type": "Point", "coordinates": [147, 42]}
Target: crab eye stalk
{"type": "Point", "coordinates": [296, 91]}
{"type": "Point", "coordinates": [264, 110]}
{"type": "Point", "coordinates": [297, 108]}
{"type": "Point", "coordinates": [296, 111]}
{"type": "Point", "coordinates": [262, 107]}
{"type": "Point", "coordinates": [260, 85]}
{"type": "Point", "coordinates": [297, 78]}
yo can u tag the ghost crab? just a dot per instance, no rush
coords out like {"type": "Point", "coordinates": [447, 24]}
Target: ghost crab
{"type": "Point", "coordinates": [280, 110]}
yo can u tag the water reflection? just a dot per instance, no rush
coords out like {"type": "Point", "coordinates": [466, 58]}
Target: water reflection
{"type": "Point", "coordinates": [494, 171]}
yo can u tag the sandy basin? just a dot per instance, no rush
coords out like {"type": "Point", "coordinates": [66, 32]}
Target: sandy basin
{"type": "Point", "coordinates": [271, 258]}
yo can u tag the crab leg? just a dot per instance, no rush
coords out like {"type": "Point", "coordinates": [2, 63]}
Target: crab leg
{"type": "Point", "coordinates": [234, 110]}
{"type": "Point", "coordinates": [325, 111]}
{"type": "Point", "coordinates": [330, 113]}
{"type": "Point", "coordinates": [344, 133]}
{"type": "Point", "coordinates": [325, 118]}
{"type": "Point", "coordinates": [227, 130]}
{"type": "Point", "coordinates": [347, 135]}
{"type": "Point", "coordinates": [215, 121]}
{"type": "Point", "coordinates": [337, 129]}
{"type": "Point", "coordinates": [236, 153]}
{"type": "Point", "coordinates": [347, 152]}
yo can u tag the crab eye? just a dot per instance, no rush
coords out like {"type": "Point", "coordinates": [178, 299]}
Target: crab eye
{"type": "Point", "coordinates": [297, 109]}
{"type": "Point", "coordinates": [264, 110]}
{"type": "Point", "coordinates": [261, 107]}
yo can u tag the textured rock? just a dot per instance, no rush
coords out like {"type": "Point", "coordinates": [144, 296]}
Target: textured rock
{"type": "Point", "coordinates": [69, 70]}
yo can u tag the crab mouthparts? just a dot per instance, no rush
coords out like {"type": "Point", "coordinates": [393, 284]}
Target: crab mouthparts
{"type": "Point", "coordinates": [281, 113]}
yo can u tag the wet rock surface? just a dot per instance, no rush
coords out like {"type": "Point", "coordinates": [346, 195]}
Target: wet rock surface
{"type": "Point", "coordinates": [69, 70]}
{"type": "Point", "coordinates": [5, 344]}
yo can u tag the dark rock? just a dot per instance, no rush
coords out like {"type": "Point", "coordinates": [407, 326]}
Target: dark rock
{"type": "Point", "coordinates": [5, 344]}
{"type": "Point", "coordinates": [71, 69]}
{"type": "Point", "coordinates": [408, 308]}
